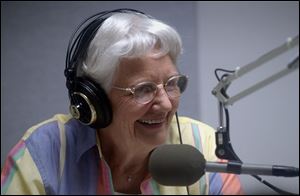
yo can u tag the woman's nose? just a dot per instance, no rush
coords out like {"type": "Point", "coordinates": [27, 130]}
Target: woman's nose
{"type": "Point", "coordinates": [162, 100]}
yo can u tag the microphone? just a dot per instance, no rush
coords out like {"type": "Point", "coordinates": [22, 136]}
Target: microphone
{"type": "Point", "coordinates": [183, 165]}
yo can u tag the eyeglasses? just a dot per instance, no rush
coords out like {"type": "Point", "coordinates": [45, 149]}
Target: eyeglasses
{"type": "Point", "coordinates": [145, 92]}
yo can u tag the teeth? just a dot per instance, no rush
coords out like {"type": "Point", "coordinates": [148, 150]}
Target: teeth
{"type": "Point", "coordinates": [151, 121]}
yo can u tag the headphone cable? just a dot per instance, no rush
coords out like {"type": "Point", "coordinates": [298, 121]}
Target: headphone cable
{"type": "Point", "coordinates": [180, 139]}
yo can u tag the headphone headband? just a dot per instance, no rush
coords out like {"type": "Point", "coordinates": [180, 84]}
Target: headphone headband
{"type": "Point", "coordinates": [78, 46]}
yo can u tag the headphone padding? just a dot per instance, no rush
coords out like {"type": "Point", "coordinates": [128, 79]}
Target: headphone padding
{"type": "Point", "coordinates": [94, 97]}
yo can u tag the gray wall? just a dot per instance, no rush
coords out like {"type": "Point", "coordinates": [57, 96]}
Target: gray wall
{"type": "Point", "coordinates": [264, 126]}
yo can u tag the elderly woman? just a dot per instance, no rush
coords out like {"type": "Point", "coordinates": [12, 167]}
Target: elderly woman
{"type": "Point", "coordinates": [124, 88]}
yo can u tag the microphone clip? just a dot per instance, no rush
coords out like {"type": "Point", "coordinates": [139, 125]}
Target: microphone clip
{"type": "Point", "coordinates": [224, 148]}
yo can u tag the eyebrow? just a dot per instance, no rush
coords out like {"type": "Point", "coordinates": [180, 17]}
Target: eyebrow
{"type": "Point", "coordinates": [141, 79]}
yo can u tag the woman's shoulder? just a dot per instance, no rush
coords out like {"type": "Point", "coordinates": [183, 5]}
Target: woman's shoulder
{"type": "Point", "coordinates": [49, 127]}
{"type": "Point", "coordinates": [195, 133]}
{"type": "Point", "coordinates": [191, 123]}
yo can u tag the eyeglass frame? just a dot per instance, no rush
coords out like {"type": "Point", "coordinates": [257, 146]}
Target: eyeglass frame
{"type": "Point", "coordinates": [131, 90]}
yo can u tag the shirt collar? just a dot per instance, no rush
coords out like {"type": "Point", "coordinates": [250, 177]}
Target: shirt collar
{"type": "Point", "coordinates": [86, 138]}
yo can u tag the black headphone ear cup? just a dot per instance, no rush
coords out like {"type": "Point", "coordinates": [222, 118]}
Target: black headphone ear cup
{"type": "Point", "coordinates": [90, 104]}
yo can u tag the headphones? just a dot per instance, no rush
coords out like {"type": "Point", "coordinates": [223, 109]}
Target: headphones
{"type": "Point", "coordinates": [88, 101]}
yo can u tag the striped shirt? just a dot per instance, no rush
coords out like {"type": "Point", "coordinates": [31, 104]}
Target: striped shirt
{"type": "Point", "coordinates": [62, 156]}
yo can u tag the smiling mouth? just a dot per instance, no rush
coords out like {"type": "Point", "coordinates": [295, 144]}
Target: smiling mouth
{"type": "Point", "coordinates": [151, 122]}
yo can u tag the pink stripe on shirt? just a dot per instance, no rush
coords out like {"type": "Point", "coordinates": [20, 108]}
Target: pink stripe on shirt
{"type": "Point", "coordinates": [9, 166]}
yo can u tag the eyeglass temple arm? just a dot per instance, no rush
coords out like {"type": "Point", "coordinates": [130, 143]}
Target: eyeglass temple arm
{"type": "Point", "coordinates": [124, 89]}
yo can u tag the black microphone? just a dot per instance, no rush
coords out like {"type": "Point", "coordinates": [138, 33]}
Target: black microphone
{"type": "Point", "coordinates": [183, 165]}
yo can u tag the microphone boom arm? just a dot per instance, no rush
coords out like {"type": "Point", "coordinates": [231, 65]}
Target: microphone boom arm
{"type": "Point", "coordinates": [224, 82]}
{"type": "Point", "coordinates": [224, 148]}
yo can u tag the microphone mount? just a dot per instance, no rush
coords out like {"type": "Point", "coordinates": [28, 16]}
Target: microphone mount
{"type": "Point", "coordinates": [224, 148]}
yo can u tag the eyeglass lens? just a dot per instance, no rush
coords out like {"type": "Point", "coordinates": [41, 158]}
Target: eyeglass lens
{"type": "Point", "coordinates": [174, 87]}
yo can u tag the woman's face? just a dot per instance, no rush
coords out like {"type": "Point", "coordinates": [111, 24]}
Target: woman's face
{"type": "Point", "coordinates": [143, 123]}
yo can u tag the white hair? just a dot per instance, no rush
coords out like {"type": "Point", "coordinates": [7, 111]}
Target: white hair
{"type": "Point", "coordinates": [127, 35]}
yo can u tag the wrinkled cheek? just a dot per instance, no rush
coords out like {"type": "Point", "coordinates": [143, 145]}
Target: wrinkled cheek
{"type": "Point", "coordinates": [120, 108]}
{"type": "Point", "coordinates": [125, 114]}
{"type": "Point", "coordinates": [175, 104]}
{"type": "Point", "coordinates": [127, 129]}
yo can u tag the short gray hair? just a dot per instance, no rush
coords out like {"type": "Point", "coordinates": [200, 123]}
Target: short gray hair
{"type": "Point", "coordinates": [127, 35]}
